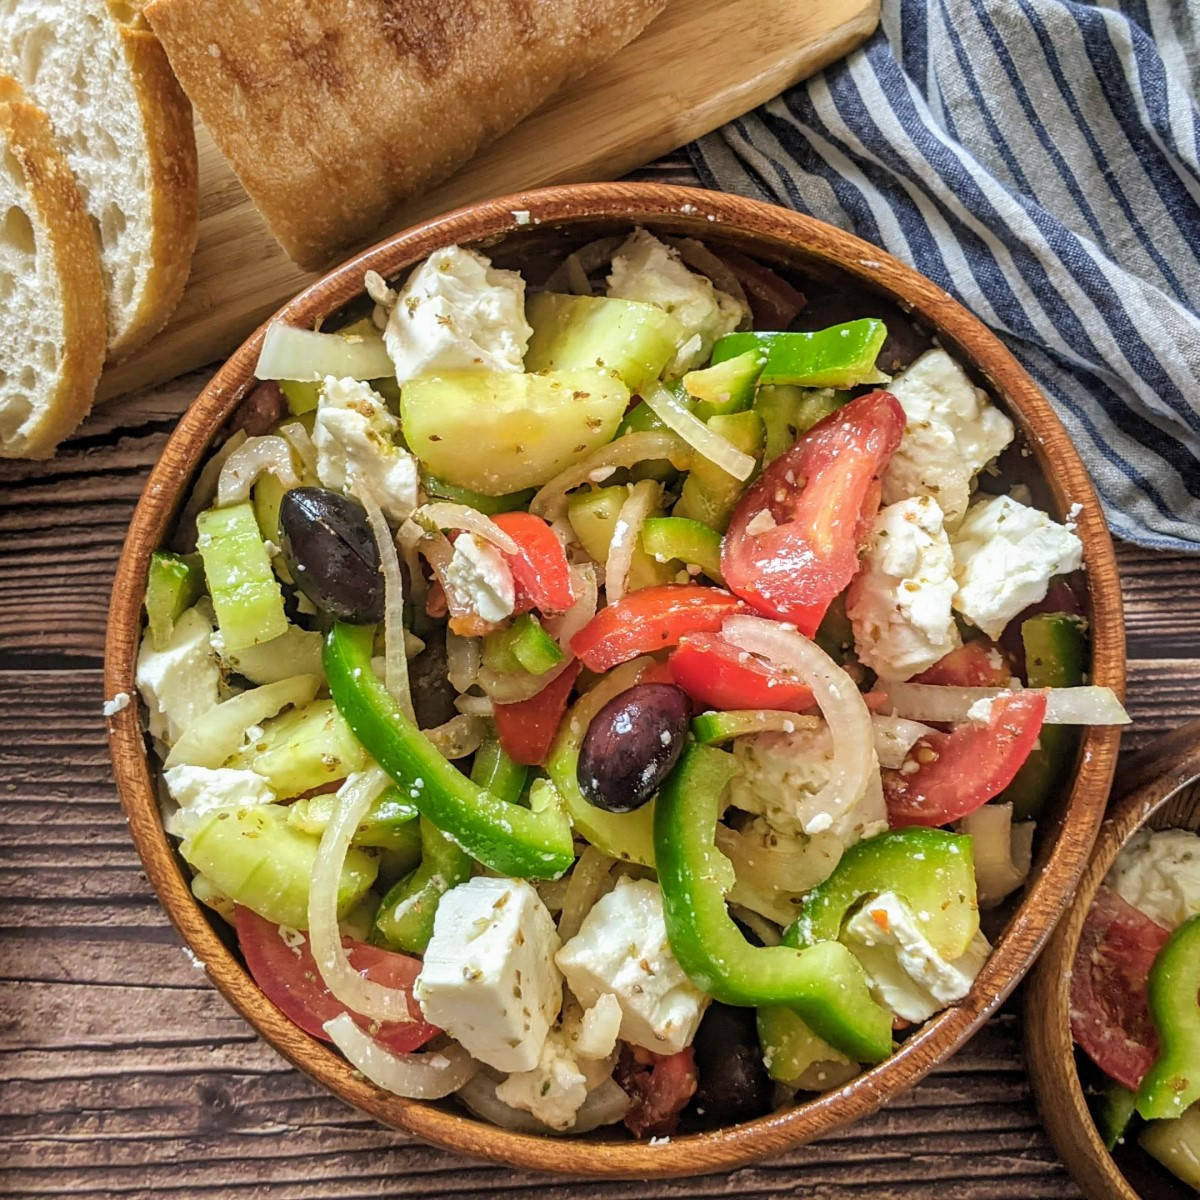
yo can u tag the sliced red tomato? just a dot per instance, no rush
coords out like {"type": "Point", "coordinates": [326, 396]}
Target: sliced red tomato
{"type": "Point", "coordinates": [948, 775]}
{"type": "Point", "coordinates": [289, 978]}
{"type": "Point", "coordinates": [660, 1086]}
{"type": "Point", "coordinates": [526, 729]}
{"type": "Point", "coordinates": [651, 619]}
{"type": "Point", "coordinates": [541, 573]}
{"type": "Point", "coordinates": [722, 676]}
{"type": "Point", "coordinates": [976, 664]}
{"type": "Point", "coordinates": [794, 538]}
{"type": "Point", "coordinates": [1110, 1018]}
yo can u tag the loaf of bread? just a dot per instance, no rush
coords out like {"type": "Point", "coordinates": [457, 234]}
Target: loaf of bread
{"type": "Point", "coordinates": [331, 113]}
{"type": "Point", "coordinates": [125, 128]}
{"type": "Point", "coordinates": [52, 346]}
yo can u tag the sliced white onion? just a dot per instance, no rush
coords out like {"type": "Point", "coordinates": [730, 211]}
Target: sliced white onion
{"type": "Point", "coordinates": [408, 538]}
{"type": "Point", "coordinates": [299, 439]}
{"type": "Point", "coordinates": [251, 459]}
{"type": "Point", "coordinates": [457, 737]}
{"type": "Point", "coordinates": [590, 879]}
{"type": "Point", "coordinates": [705, 441]}
{"type": "Point", "coordinates": [475, 706]}
{"type": "Point", "coordinates": [308, 357]}
{"type": "Point", "coordinates": [212, 738]}
{"type": "Point", "coordinates": [204, 490]}
{"type": "Point", "coordinates": [1064, 706]}
{"type": "Point", "coordinates": [646, 446]}
{"type": "Point", "coordinates": [437, 551]}
{"type": "Point", "coordinates": [444, 514]}
{"type": "Point", "coordinates": [571, 275]}
{"type": "Point", "coordinates": [895, 737]}
{"type": "Point", "coordinates": [464, 656]}
{"type": "Point", "coordinates": [853, 761]}
{"type": "Point", "coordinates": [426, 1076]}
{"type": "Point", "coordinates": [363, 996]}
{"type": "Point", "coordinates": [395, 660]}
{"type": "Point", "coordinates": [1003, 851]}
{"type": "Point", "coordinates": [766, 931]}
{"type": "Point", "coordinates": [606, 1105]}
{"type": "Point", "coordinates": [627, 532]}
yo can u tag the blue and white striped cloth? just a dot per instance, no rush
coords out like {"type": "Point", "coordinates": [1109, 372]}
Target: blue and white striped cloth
{"type": "Point", "coordinates": [1039, 160]}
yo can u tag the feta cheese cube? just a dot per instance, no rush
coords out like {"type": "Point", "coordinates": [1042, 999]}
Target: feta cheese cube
{"type": "Point", "coordinates": [178, 682]}
{"type": "Point", "coordinates": [488, 978]}
{"type": "Point", "coordinates": [907, 975]}
{"type": "Point", "coordinates": [457, 312]}
{"type": "Point", "coordinates": [1005, 554]}
{"type": "Point", "coordinates": [951, 435]}
{"type": "Point", "coordinates": [479, 574]}
{"type": "Point", "coordinates": [200, 790]}
{"type": "Point", "coordinates": [648, 270]}
{"type": "Point", "coordinates": [355, 437]}
{"type": "Point", "coordinates": [899, 602]}
{"type": "Point", "coordinates": [622, 948]}
{"type": "Point", "coordinates": [1159, 873]}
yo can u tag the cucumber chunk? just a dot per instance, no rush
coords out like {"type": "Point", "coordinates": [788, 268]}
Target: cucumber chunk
{"type": "Point", "coordinates": [709, 494]}
{"type": "Point", "coordinates": [593, 513]}
{"type": "Point", "coordinates": [244, 590]}
{"type": "Point", "coordinates": [1176, 1144]}
{"type": "Point", "coordinates": [173, 586]}
{"type": "Point", "coordinates": [633, 339]}
{"type": "Point", "coordinates": [497, 432]}
{"type": "Point", "coordinates": [685, 541]}
{"type": "Point", "coordinates": [390, 823]}
{"type": "Point", "coordinates": [253, 856]}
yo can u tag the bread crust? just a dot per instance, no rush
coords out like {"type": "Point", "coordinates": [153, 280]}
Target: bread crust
{"type": "Point", "coordinates": [66, 232]}
{"type": "Point", "coordinates": [331, 113]}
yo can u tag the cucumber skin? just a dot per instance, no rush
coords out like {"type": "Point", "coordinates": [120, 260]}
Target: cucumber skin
{"type": "Point", "coordinates": [710, 495]}
{"type": "Point", "coordinates": [592, 513]}
{"type": "Point", "coordinates": [174, 584]}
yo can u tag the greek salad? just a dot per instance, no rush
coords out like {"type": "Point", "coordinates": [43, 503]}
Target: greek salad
{"type": "Point", "coordinates": [610, 696]}
{"type": "Point", "coordinates": [1134, 1007]}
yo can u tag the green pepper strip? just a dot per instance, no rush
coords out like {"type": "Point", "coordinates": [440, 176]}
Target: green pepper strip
{"type": "Point", "coordinates": [488, 505]}
{"type": "Point", "coordinates": [691, 542]}
{"type": "Point", "coordinates": [522, 646]}
{"type": "Point", "coordinates": [931, 870]}
{"type": "Point", "coordinates": [1173, 1083]}
{"type": "Point", "coordinates": [515, 841]}
{"type": "Point", "coordinates": [840, 356]}
{"type": "Point", "coordinates": [824, 983]}
{"type": "Point", "coordinates": [726, 387]}
{"type": "Point", "coordinates": [1112, 1111]}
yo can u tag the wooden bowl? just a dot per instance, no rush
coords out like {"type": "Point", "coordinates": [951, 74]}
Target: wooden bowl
{"type": "Point", "coordinates": [524, 227]}
{"type": "Point", "coordinates": [1159, 787]}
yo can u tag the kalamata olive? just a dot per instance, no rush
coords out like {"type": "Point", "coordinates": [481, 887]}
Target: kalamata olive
{"type": "Point", "coordinates": [433, 695]}
{"type": "Point", "coordinates": [905, 341]}
{"type": "Point", "coordinates": [733, 1081]}
{"type": "Point", "coordinates": [331, 553]}
{"type": "Point", "coordinates": [632, 745]}
{"type": "Point", "coordinates": [260, 411]}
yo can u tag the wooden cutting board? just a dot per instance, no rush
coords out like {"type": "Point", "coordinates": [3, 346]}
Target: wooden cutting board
{"type": "Point", "coordinates": [700, 64]}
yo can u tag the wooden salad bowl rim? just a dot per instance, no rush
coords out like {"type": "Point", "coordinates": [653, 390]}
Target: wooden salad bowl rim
{"type": "Point", "coordinates": [1158, 785]}
{"type": "Point", "coordinates": [774, 233]}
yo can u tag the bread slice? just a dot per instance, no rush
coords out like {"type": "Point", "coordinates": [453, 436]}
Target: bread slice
{"type": "Point", "coordinates": [126, 131]}
{"type": "Point", "coordinates": [331, 112]}
{"type": "Point", "coordinates": [52, 347]}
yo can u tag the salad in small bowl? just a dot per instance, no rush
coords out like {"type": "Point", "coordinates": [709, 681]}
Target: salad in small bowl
{"type": "Point", "coordinates": [598, 674]}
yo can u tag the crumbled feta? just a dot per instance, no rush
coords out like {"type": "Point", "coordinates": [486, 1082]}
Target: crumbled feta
{"type": "Point", "coordinates": [899, 602]}
{"type": "Point", "coordinates": [488, 977]}
{"type": "Point", "coordinates": [554, 1090]}
{"type": "Point", "coordinates": [599, 1028]}
{"type": "Point", "coordinates": [1159, 873]}
{"type": "Point", "coordinates": [1004, 557]}
{"type": "Point", "coordinates": [648, 270]}
{"type": "Point", "coordinates": [478, 573]}
{"type": "Point", "coordinates": [355, 438]}
{"type": "Point", "coordinates": [458, 312]}
{"type": "Point", "coordinates": [621, 948]}
{"type": "Point", "coordinates": [979, 712]}
{"type": "Point", "coordinates": [951, 434]}
{"type": "Point", "coordinates": [202, 790]}
{"type": "Point", "coordinates": [906, 973]}
{"type": "Point", "coordinates": [179, 682]}
{"type": "Point", "coordinates": [117, 704]}
{"type": "Point", "coordinates": [761, 522]}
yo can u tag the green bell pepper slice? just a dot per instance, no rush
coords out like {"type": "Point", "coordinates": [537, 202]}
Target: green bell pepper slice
{"type": "Point", "coordinates": [524, 843]}
{"type": "Point", "coordinates": [823, 983]}
{"type": "Point", "coordinates": [522, 646]}
{"type": "Point", "coordinates": [841, 356]}
{"type": "Point", "coordinates": [688, 541]}
{"type": "Point", "coordinates": [931, 870]}
{"type": "Point", "coordinates": [1112, 1110]}
{"type": "Point", "coordinates": [725, 387]}
{"type": "Point", "coordinates": [488, 505]}
{"type": "Point", "coordinates": [1173, 1082]}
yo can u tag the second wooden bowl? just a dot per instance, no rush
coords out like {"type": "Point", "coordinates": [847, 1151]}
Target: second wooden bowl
{"type": "Point", "coordinates": [526, 228]}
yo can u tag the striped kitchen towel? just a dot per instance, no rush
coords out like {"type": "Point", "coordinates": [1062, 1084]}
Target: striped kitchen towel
{"type": "Point", "coordinates": [1037, 159]}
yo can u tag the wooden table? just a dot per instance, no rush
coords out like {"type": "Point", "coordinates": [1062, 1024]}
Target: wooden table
{"type": "Point", "coordinates": [123, 1073]}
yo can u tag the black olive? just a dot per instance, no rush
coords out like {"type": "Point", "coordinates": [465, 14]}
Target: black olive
{"type": "Point", "coordinates": [433, 694]}
{"type": "Point", "coordinates": [733, 1083]}
{"type": "Point", "coordinates": [632, 745]}
{"type": "Point", "coordinates": [331, 553]}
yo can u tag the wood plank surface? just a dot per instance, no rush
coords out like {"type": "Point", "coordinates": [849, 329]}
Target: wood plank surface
{"type": "Point", "coordinates": [124, 1074]}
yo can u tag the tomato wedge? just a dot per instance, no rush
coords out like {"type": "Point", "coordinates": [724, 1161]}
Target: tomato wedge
{"type": "Point", "coordinates": [660, 1086]}
{"type": "Point", "coordinates": [793, 541]}
{"type": "Point", "coordinates": [976, 664]}
{"type": "Point", "coordinates": [1110, 1018]}
{"type": "Point", "coordinates": [541, 573]}
{"type": "Point", "coordinates": [289, 978]}
{"type": "Point", "coordinates": [721, 676]}
{"type": "Point", "coordinates": [957, 772]}
{"type": "Point", "coordinates": [651, 619]}
{"type": "Point", "coordinates": [526, 729]}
